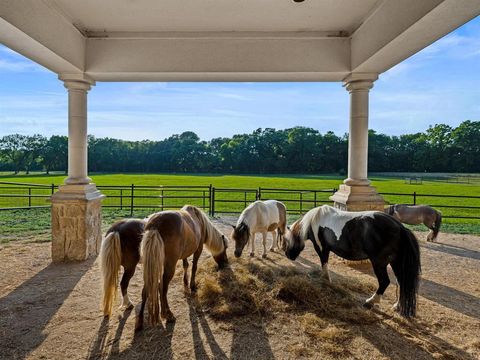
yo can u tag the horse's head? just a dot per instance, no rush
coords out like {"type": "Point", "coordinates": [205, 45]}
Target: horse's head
{"type": "Point", "coordinates": [221, 258]}
{"type": "Point", "coordinates": [240, 235]}
{"type": "Point", "coordinates": [293, 244]}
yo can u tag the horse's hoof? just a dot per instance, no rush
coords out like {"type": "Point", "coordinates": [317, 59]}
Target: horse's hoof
{"type": "Point", "coordinates": [396, 307]}
{"type": "Point", "coordinates": [264, 256]}
{"type": "Point", "coordinates": [193, 289]}
{"type": "Point", "coordinates": [138, 326]}
{"type": "Point", "coordinates": [169, 318]}
{"type": "Point", "coordinates": [129, 307]}
{"type": "Point", "coordinates": [367, 305]}
{"type": "Point", "coordinates": [252, 254]}
{"type": "Point", "coordinates": [272, 249]}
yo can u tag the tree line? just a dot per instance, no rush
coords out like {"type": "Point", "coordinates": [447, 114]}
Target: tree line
{"type": "Point", "coordinates": [441, 148]}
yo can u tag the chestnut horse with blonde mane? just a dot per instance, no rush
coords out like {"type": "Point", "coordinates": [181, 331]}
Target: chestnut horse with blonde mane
{"type": "Point", "coordinates": [170, 236]}
{"type": "Point", "coordinates": [121, 247]}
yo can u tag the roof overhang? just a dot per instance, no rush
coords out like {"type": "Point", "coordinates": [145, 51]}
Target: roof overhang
{"type": "Point", "coordinates": [248, 40]}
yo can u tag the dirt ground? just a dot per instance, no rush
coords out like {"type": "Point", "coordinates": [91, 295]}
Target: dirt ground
{"type": "Point", "coordinates": [53, 312]}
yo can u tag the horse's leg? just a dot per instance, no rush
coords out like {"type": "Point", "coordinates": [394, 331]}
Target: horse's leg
{"type": "Point", "coordinates": [185, 273]}
{"type": "Point", "coordinates": [396, 270]}
{"type": "Point", "coordinates": [323, 255]}
{"type": "Point", "coordinates": [169, 271]}
{"type": "Point", "coordinates": [139, 322]}
{"type": "Point", "coordinates": [274, 241]}
{"type": "Point", "coordinates": [196, 256]}
{"type": "Point", "coordinates": [264, 243]}
{"type": "Point", "coordinates": [431, 227]}
{"type": "Point", "coordinates": [127, 275]}
{"type": "Point", "coordinates": [383, 282]}
{"type": "Point", "coordinates": [252, 249]}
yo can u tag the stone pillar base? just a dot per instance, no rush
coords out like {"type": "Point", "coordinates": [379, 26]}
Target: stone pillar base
{"type": "Point", "coordinates": [76, 222]}
{"type": "Point", "coordinates": [357, 198]}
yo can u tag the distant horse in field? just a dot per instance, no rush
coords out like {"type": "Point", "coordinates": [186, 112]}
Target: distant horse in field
{"type": "Point", "coordinates": [263, 217]}
{"type": "Point", "coordinates": [418, 214]}
{"type": "Point", "coordinates": [359, 236]}
{"type": "Point", "coordinates": [170, 236]}
{"type": "Point", "coordinates": [121, 247]}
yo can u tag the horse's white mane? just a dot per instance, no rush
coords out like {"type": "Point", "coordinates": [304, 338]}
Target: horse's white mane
{"type": "Point", "coordinates": [312, 218]}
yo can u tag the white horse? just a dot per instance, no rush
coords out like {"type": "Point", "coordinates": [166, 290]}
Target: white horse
{"type": "Point", "coordinates": [260, 217]}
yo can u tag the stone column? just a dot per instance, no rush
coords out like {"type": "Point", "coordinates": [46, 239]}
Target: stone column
{"type": "Point", "coordinates": [356, 193]}
{"type": "Point", "coordinates": [76, 206]}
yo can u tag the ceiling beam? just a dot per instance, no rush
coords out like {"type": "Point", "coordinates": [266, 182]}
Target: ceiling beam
{"type": "Point", "coordinates": [381, 43]}
{"type": "Point", "coordinates": [37, 31]}
{"type": "Point", "coordinates": [218, 58]}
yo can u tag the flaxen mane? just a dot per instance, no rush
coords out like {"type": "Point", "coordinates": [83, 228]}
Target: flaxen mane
{"type": "Point", "coordinates": [212, 237]}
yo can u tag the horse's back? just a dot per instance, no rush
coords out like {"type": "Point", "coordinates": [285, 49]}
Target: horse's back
{"type": "Point", "coordinates": [130, 232]}
{"type": "Point", "coordinates": [167, 223]}
{"type": "Point", "coordinates": [180, 232]}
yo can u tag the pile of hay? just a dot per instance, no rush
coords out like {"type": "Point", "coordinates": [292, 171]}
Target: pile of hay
{"type": "Point", "coordinates": [324, 311]}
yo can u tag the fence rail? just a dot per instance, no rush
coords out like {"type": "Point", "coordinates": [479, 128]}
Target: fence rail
{"type": "Point", "coordinates": [224, 200]}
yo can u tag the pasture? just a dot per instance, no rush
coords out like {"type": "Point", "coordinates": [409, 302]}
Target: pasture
{"type": "Point", "coordinates": [257, 309]}
{"type": "Point", "coordinates": [38, 220]}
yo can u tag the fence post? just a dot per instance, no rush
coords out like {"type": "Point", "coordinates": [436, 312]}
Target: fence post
{"type": "Point", "coordinates": [259, 193]}
{"type": "Point", "coordinates": [301, 202]}
{"type": "Point", "coordinates": [203, 200]}
{"type": "Point", "coordinates": [213, 201]}
{"type": "Point", "coordinates": [414, 198]}
{"type": "Point", "coordinates": [210, 200]}
{"type": "Point", "coordinates": [244, 199]}
{"type": "Point", "coordinates": [121, 199]}
{"type": "Point", "coordinates": [53, 188]}
{"type": "Point", "coordinates": [315, 199]}
{"type": "Point", "coordinates": [131, 199]}
{"type": "Point", "coordinates": [29, 197]}
{"type": "Point", "coordinates": [162, 199]}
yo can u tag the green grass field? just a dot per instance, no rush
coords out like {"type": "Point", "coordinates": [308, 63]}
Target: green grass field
{"type": "Point", "coordinates": [39, 219]}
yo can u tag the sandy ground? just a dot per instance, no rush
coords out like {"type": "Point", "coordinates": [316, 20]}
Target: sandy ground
{"type": "Point", "coordinates": [53, 312]}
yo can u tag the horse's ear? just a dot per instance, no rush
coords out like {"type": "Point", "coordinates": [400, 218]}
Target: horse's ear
{"type": "Point", "coordinates": [233, 226]}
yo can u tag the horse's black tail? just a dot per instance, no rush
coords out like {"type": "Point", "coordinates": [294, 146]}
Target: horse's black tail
{"type": "Point", "coordinates": [408, 272]}
{"type": "Point", "coordinates": [436, 226]}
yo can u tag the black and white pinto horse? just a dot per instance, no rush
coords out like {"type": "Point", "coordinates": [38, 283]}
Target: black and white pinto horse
{"type": "Point", "coordinates": [362, 235]}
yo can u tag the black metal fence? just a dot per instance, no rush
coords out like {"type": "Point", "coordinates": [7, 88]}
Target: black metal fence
{"type": "Point", "coordinates": [224, 200]}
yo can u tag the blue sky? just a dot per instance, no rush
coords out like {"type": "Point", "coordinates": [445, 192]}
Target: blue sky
{"type": "Point", "coordinates": [440, 84]}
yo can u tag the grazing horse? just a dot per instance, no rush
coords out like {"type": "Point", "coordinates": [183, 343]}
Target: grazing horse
{"type": "Point", "coordinates": [417, 214]}
{"type": "Point", "coordinates": [263, 217]}
{"type": "Point", "coordinates": [121, 247]}
{"type": "Point", "coordinates": [359, 236]}
{"type": "Point", "coordinates": [170, 236]}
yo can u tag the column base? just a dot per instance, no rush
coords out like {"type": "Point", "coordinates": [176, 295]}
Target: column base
{"type": "Point", "coordinates": [76, 222]}
{"type": "Point", "coordinates": [357, 198]}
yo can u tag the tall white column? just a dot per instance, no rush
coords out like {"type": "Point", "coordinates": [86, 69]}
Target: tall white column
{"type": "Point", "coordinates": [77, 130]}
{"type": "Point", "coordinates": [76, 206]}
{"type": "Point", "coordinates": [356, 193]}
{"type": "Point", "coordinates": [358, 132]}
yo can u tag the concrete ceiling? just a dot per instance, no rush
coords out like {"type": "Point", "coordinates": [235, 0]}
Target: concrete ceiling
{"type": "Point", "coordinates": [216, 15]}
{"type": "Point", "coordinates": [226, 40]}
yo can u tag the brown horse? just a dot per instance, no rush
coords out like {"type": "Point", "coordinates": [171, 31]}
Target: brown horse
{"type": "Point", "coordinates": [418, 214]}
{"type": "Point", "coordinates": [121, 247]}
{"type": "Point", "coordinates": [170, 236]}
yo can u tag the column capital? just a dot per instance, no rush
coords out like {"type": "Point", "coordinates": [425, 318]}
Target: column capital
{"type": "Point", "coordinates": [359, 81]}
{"type": "Point", "coordinates": [77, 81]}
